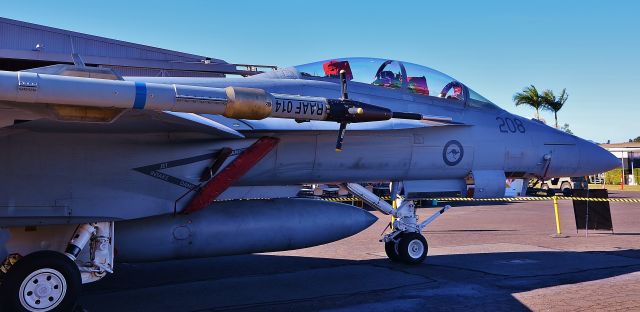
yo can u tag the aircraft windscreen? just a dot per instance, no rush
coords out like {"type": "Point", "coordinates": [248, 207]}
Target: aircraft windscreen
{"type": "Point", "coordinates": [477, 97]}
{"type": "Point", "coordinates": [388, 74]}
{"type": "Point", "coordinates": [393, 74]}
{"type": "Point", "coordinates": [357, 69]}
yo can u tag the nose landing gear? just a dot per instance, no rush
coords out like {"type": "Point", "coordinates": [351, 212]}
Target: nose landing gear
{"type": "Point", "coordinates": [405, 243]}
{"type": "Point", "coordinates": [409, 248]}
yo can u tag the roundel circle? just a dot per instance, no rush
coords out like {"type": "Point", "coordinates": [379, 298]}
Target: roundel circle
{"type": "Point", "coordinates": [452, 153]}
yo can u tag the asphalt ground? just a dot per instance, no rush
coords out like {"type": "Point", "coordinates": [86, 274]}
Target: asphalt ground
{"type": "Point", "coordinates": [488, 257]}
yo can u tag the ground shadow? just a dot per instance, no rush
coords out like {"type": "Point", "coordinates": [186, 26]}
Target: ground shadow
{"type": "Point", "coordinates": [468, 230]}
{"type": "Point", "coordinates": [496, 275]}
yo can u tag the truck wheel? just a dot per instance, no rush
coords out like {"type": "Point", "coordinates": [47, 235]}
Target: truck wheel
{"type": "Point", "coordinates": [566, 189]}
{"type": "Point", "coordinates": [42, 281]}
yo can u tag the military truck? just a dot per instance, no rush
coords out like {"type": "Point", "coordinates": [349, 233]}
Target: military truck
{"type": "Point", "coordinates": [565, 185]}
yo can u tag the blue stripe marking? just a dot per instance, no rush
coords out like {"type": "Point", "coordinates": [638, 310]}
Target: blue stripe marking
{"type": "Point", "coordinates": [141, 96]}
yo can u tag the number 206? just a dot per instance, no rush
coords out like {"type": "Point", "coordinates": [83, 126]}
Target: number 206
{"type": "Point", "coordinates": [509, 125]}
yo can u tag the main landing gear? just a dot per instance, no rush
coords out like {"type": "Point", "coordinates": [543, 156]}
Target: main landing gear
{"type": "Point", "coordinates": [41, 281]}
{"type": "Point", "coordinates": [405, 243]}
{"type": "Point", "coordinates": [48, 280]}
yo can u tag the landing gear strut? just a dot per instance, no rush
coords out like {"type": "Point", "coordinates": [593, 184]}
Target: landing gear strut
{"type": "Point", "coordinates": [48, 280]}
{"type": "Point", "coordinates": [405, 243]}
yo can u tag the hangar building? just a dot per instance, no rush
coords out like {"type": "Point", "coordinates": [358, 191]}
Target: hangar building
{"type": "Point", "coordinates": [629, 155]}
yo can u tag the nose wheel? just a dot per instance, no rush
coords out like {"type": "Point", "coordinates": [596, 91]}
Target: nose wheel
{"type": "Point", "coordinates": [408, 247]}
{"type": "Point", "coordinates": [391, 249]}
{"type": "Point", "coordinates": [404, 243]}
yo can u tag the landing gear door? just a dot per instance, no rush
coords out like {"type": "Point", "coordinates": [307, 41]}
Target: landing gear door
{"type": "Point", "coordinates": [489, 183]}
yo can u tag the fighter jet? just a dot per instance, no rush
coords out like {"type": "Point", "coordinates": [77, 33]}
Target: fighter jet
{"type": "Point", "coordinates": [98, 168]}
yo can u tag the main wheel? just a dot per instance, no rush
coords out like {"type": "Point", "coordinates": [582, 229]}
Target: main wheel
{"type": "Point", "coordinates": [391, 249]}
{"type": "Point", "coordinates": [412, 248]}
{"type": "Point", "coordinates": [42, 281]}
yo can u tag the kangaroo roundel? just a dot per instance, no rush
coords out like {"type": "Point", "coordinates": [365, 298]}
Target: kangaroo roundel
{"type": "Point", "coordinates": [452, 153]}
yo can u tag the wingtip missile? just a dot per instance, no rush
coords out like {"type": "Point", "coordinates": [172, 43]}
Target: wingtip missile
{"type": "Point", "coordinates": [70, 97]}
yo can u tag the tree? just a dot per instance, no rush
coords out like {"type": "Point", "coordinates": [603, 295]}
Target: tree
{"type": "Point", "coordinates": [566, 129]}
{"type": "Point", "coordinates": [553, 103]}
{"type": "Point", "coordinates": [636, 139]}
{"type": "Point", "coordinates": [529, 96]}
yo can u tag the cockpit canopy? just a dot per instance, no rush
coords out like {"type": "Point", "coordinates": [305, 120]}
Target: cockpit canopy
{"type": "Point", "coordinates": [392, 74]}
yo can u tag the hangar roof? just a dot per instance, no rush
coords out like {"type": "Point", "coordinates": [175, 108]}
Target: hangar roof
{"type": "Point", "coordinates": [625, 147]}
{"type": "Point", "coordinates": [625, 144]}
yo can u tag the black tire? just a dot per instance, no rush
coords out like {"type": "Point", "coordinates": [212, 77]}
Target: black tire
{"type": "Point", "coordinates": [412, 248]}
{"type": "Point", "coordinates": [566, 189]}
{"type": "Point", "coordinates": [57, 270]}
{"type": "Point", "coordinates": [390, 248]}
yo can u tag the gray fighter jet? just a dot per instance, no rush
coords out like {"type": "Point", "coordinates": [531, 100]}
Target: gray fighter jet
{"type": "Point", "coordinates": [200, 167]}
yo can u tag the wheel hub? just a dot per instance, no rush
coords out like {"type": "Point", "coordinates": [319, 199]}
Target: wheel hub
{"type": "Point", "coordinates": [416, 248]}
{"type": "Point", "coordinates": [42, 290]}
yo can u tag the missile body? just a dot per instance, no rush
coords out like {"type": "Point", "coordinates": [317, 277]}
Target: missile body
{"type": "Point", "coordinates": [239, 227]}
{"type": "Point", "coordinates": [240, 103]}
{"type": "Point", "coordinates": [24, 87]}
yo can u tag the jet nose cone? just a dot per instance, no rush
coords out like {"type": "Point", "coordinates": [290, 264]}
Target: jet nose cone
{"type": "Point", "coordinates": [595, 159]}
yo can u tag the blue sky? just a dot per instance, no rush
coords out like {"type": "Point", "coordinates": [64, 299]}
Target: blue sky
{"type": "Point", "coordinates": [592, 48]}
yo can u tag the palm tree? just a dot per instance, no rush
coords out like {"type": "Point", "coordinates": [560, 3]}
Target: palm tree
{"type": "Point", "coordinates": [553, 103]}
{"type": "Point", "coordinates": [529, 96]}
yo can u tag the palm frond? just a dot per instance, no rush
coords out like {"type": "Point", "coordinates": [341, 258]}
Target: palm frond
{"type": "Point", "coordinates": [563, 96]}
{"type": "Point", "coordinates": [529, 96]}
{"type": "Point", "coordinates": [553, 103]}
{"type": "Point", "coordinates": [548, 100]}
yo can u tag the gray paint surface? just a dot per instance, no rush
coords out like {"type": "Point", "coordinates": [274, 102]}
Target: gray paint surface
{"type": "Point", "coordinates": [143, 164]}
{"type": "Point", "coordinates": [85, 170]}
{"type": "Point", "coordinates": [239, 227]}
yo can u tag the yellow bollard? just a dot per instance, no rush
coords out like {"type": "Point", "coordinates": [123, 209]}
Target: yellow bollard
{"type": "Point", "coordinates": [555, 208]}
{"type": "Point", "coordinates": [394, 205]}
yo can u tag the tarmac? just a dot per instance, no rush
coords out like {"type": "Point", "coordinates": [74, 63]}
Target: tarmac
{"type": "Point", "coordinates": [482, 257]}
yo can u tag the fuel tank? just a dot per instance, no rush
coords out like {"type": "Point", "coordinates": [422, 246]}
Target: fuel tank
{"type": "Point", "coordinates": [238, 227]}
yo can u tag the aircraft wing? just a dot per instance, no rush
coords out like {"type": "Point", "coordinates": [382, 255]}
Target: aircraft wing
{"type": "Point", "coordinates": [278, 124]}
{"type": "Point", "coordinates": [136, 121]}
